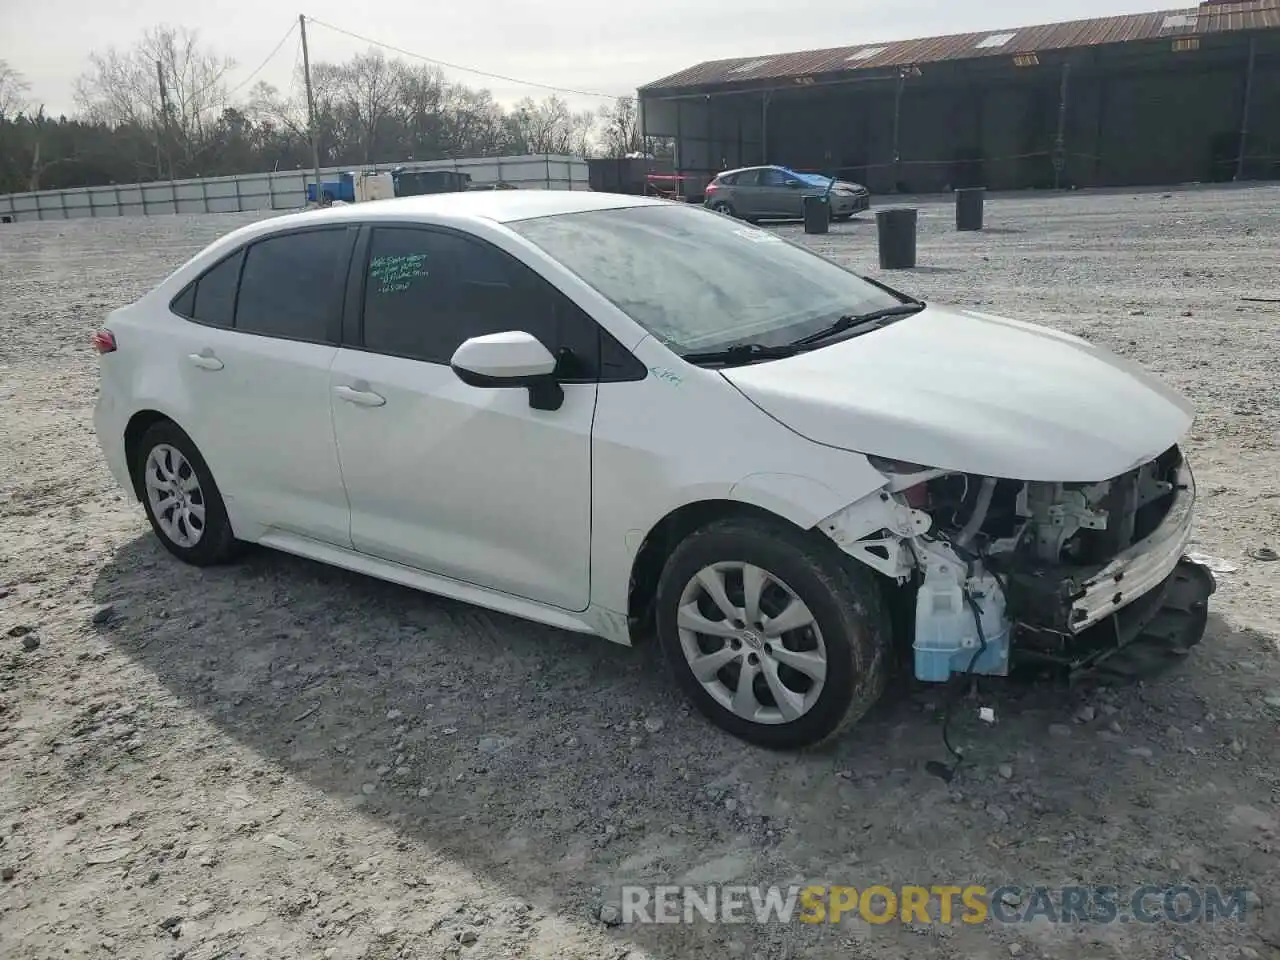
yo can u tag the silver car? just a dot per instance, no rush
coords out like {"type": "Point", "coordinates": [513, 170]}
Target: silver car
{"type": "Point", "coordinates": [777, 193]}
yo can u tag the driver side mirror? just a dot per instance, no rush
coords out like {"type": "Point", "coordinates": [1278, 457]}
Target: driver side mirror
{"type": "Point", "coordinates": [510, 359]}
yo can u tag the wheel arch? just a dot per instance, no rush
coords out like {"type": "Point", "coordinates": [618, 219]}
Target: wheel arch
{"type": "Point", "coordinates": [663, 537]}
{"type": "Point", "coordinates": [798, 501]}
{"type": "Point", "coordinates": [137, 427]}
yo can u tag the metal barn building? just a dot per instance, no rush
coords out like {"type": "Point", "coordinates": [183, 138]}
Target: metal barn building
{"type": "Point", "coordinates": [1157, 98]}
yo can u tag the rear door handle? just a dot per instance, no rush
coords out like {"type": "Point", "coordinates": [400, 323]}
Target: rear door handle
{"type": "Point", "coordinates": [205, 360]}
{"type": "Point", "coordinates": [358, 395]}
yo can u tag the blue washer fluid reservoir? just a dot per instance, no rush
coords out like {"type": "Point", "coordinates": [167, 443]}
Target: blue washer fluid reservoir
{"type": "Point", "coordinates": [946, 637]}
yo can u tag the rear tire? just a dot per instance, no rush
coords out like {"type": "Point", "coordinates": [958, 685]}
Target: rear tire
{"type": "Point", "coordinates": [724, 207]}
{"type": "Point", "coordinates": [181, 498]}
{"type": "Point", "coordinates": [814, 649]}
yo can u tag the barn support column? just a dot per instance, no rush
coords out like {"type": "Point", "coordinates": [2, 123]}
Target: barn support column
{"type": "Point", "coordinates": [737, 116]}
{"type": "Point", "coordinates": [764, 127]}
{"type": "Point", "coordinates": [1101, 129]}
{"type": "Point", "coordinates": [711, 160]}
{"type": "Point", "coordinates": [677, 155]}
{"type": "Point", "coordinates": [1059, 141]}
{"type": "Point", "coordinates": [1244, 111]}
{"type": "Point", "coordinates": [897, 128]}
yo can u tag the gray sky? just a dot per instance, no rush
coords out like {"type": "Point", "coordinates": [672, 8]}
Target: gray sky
{"type": "Point", "coordinates": [583, 44]}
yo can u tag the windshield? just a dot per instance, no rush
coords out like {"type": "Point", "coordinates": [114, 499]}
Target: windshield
{"type": "Point", "coordinates": [700, 281]}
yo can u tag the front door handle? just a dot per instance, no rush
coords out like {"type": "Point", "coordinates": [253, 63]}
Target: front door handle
{"type": "Point", "coordinates": [205, 360]}
{"type": "Point", "coordinates": [359, 396]}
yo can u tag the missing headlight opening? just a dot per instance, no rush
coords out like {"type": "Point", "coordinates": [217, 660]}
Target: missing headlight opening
{"type": "Point", "coordinates": [1079, 576]}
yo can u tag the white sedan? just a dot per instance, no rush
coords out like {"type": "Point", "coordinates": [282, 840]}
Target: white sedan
{"type": "Point", "coordinates": [613, 414]}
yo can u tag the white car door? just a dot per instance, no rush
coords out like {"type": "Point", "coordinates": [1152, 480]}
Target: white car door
{"type": "Point", "coordinates": [255, 365]}
{"type": "Point", "coordinates": [465, 482]}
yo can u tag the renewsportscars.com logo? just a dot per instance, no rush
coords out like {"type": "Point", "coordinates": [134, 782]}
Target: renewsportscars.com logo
{"type": "Point", "coordinates": [946, 904]}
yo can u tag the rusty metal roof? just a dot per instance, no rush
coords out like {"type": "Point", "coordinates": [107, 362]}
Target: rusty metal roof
{"type": "Point", "coordinates": [1214, 16]}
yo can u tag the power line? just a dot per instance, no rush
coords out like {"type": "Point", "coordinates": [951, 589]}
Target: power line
{"type": "Point", "coordinates": [195, 97]}
{"type": "Point", "coordinates": [480, 73]}
{"type": "Point", "coordinates": [270, 57]}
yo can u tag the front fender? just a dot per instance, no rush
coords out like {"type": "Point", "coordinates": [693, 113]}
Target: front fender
{"type": "Point", "coordinates": [799, 499]}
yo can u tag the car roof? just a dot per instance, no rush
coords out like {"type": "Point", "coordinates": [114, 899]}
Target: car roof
{"type": "Point", "coordinates": [457, 209]}
{"type": "Point", "coordinates": [501, 206]}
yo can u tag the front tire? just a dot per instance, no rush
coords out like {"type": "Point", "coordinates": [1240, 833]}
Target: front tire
{"type": "Point", "coordinates": [772, 635]}
{"type": "Point", "coordinates": [181, 497]}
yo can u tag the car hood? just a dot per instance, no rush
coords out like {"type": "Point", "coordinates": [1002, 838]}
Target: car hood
{"type": "Point", "coordinates": [966, 391]}
{"type": "Point", "coordinates": [819, 181]}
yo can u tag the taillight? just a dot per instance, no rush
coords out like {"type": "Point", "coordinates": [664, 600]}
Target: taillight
{"type": "Point", "coordinates": [104, 341]}
{"type": "Point", "coordinates": [712, 187]}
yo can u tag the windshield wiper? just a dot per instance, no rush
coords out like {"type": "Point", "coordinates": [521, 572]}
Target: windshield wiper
{"type": "Point", "coordinates": [741, 353]}
{"type": "Point", "coordinates": [871, 320]}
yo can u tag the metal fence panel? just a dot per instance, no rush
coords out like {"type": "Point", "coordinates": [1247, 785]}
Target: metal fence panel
{"type": "Point", "coordinates": [278, 190]}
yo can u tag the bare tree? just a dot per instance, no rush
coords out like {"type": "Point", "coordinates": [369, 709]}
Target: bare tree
{"type": "Point", "coordinates": [363, 93]}
{"type": "Point", "coordinates": [266, 104]}
{"type": "Point", "coordinates": [475, 123]}
{"type": "Point", "coordinates": [620, 128]}
{"type": "Point", "coordinates": [550, 126]}
{"type": "Point", "coordinates": [13, 91]}
{"type": "Point", "coordinates": [125, 87]}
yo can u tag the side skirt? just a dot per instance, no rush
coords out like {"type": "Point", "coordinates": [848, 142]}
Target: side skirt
{"type": "Point", "coordinates": [594, 620]}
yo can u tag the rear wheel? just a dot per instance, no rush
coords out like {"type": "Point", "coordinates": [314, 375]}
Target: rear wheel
{"type": "Point", "coordinates": [772, 636]}
{"type": "Point", "coordinates": [181, 498]}
{"type": "Point", "coordinates": [723, 206]}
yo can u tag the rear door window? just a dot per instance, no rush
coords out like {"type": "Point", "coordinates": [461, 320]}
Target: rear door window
{"type": "Point", "coordinates": [292, 285]}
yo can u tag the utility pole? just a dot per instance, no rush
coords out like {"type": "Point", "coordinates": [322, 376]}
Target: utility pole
{"type": "Point", "coordinates": [311, 104]}
{"type": "Point", "coordinates": [164, 123]}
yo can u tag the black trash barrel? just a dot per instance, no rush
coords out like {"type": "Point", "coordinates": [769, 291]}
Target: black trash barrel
{"type": "Point", "coordinates": [969, 208]}
{"type": "Point", "coordinates": [896, 231]}
{"type": "Point", "coordinates": [817, 215]}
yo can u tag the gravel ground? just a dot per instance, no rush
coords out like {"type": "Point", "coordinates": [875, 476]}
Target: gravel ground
{"type": "Point", "coordinates": [283, 760]}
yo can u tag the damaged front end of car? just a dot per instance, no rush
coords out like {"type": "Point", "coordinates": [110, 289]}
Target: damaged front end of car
{"type": "Point", "coordinates": [1078, 576]}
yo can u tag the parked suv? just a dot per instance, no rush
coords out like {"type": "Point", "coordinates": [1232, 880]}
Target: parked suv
{"type": "Point", "coordinates": [777, 193]}
{"type": "Point", "coordinates": [760, 455]}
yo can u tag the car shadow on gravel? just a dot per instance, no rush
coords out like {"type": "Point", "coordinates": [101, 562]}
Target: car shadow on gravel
{"type": "Point", "coordinates": [559, 765]}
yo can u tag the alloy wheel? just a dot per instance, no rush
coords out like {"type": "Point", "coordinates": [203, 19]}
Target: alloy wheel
{"type": "Point", "coordinates": [174, 494]}
{"type": "Point", "coordinates": [752, 643]}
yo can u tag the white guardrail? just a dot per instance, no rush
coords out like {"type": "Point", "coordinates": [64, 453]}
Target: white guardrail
{"type": "Point", "coordinates": [281, 190]}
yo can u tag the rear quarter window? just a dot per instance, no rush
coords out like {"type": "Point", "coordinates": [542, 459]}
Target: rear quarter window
{"type": "Point", "coordinates": [211, 298]}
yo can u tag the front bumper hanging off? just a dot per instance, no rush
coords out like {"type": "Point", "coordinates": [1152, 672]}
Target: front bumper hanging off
{"type": "Point", "coordinates": [1143, 566]}
{"type": "Point", "coordinates": [1150, 592]}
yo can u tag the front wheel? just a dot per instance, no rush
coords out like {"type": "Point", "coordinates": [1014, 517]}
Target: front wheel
{"type": "Point", "coordinates": [772, 635]}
